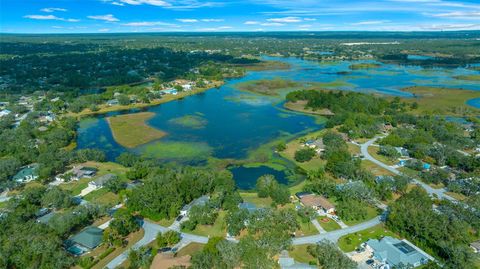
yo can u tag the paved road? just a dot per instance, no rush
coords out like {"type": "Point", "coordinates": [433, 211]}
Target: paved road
{"type": "Point", "coordinates": [440, 193]}
{"type": "Point", "coordinates": [335, 235]}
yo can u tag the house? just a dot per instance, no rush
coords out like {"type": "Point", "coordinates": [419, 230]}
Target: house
{"type": "Point", "coordinates": [381, 179]}
{"type": "Point", "coordinates": [99, 182]}
{"type": "Point", "coordinates": [315, 144]}
{"type": "Point", "coordinates": [475, 246]}
{"type": "Point", "coordinates": [85, 241]}
{"type": "Point", "coordinates": [387, 127]}
{"type": "Point", "coordinates": [317, 202]}
{"type": "Point", "coordinates": [112, 102]}
{"type": "Point", "coordinates": [169, 91]}
{"type": "Point", "coordinates": [402, 151]}
{"type": "Point", "coordinates": [201, 201]}
{"type": "Point", "coordinates": [426, 166]}
{"type": "Point", "coordinates": [27, 174]}
{"type": "Point", "coordinates": [4, 112]}
{"type": "Point", "coordinates": [286, 262]}
{"type": "Point", "coordinates": [248, 206]}
{"type": "Point", "coordinates": [395, 252]}
{"type": "Point", "coordinates": [77, 173]}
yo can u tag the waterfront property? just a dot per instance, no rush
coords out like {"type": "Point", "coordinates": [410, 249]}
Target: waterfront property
{"type": "Point", "coordinates": [393, 252]}
{"type": "Point", "coordinates": [201, 201]}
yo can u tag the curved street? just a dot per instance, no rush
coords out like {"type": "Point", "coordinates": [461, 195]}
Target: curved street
{"type": "Point", "coordinates": [440, 193]}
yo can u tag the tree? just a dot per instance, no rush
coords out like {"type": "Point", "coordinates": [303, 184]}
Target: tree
{"type": "Point", "coordinates": [390, 152]}
{"type": "Point", "coordinates": [304, 154]}
{"type": "Point", "coordinates": [115, 184]}
{"type": "Point", "coordinates": [57, 198]}
{"type": "Point", "coordinates": [123, 100]}
{"type": "Point", "coordinates": [236, 221]}
{"type": "Point", "coordinates": [141, 258]}
{"type": "Point", "coordinates": [330, 257]}
{"type": "Point", "coordinates": [123, 223]}
{"type": "Point", "coordinates": [265, 184]}
{"type": "Point", "coordinates": [281, 146]}
{"type": "Point", "coordinates": [167, 239]}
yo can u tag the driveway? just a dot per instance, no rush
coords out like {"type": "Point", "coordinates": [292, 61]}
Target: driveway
{"type": "Point", "coordinates": [151, 231]}
{"type": "Point", "coordinates": [440, 193]}
{"type": "Point", "coordinates": [335, 235]}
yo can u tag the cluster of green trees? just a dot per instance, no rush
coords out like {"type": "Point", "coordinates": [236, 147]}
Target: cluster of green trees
{"type": "Point", "coordinates": [268, 186]}
{"type": "Point", "coordinates": [304, 154]}
{"type": "Point", "coordinates": [359, 114]}
{"type": "Point", "coordinates": [24, 243]}
{"type": "Point", "coordinates": [269, 231]}
{"type": "Point", "coordinates": [166, 190]}
{"type": "Point", "coordinates": [446, 234]}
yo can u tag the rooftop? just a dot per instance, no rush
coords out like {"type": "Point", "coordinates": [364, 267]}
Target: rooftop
{"type": "Point", "coordinates": [395, 251]}
{"type": "Point", "coordinates": [90, 237]}
{"type": "Point", "coordinates": [317, 201]}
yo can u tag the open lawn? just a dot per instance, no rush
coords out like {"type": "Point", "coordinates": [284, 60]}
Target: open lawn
{"type": "Point", "coordinates": [102, 197]}
{"type": "Point", "coordinates": [300, 254]}
{"type": "Point", "coordinates": [252, 197]}
{"type": "Point", "coordinates": [328, 224]}
{"type": "Point", "coordinates": [352, 241]}
{"type": "Point", "coordinates": [442, 101]}
{"type": "Point", "coordinates": [131, 130]}
{"type": "Point", "coordinates": [375, 169]}
{"type": "Point", "coordinates": [289, 153]}
{"type": "Point", "coordinates": [374, 152]}
{"type": "Point", "coordinates": [217, 229]}
{"type": "Point", "coordinates": [372, 212]}
{"type": "Point", "coordinates": [353, 149]}
{"type": "Point", "coordinates": [75, 187]}
{"type": "Point", "coordinates": [190, 249]}
{"type": "Point", "coordinates": [108, 168]}
{"type": "Point", "coordinates": [306, 229]}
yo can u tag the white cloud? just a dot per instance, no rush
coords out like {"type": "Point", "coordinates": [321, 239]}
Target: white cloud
{"type": "Point", "coordinates": [370, 22]}
{"type": "Point", "coordinates": [458, 15]}
{"type": "Point", "coordinates": [52, 9]}
{"type": "Point", "coordinates": [103, 30]}
{"type": "Point", "coordinates": [107, 17]}
{"type": "Point", "coordinates": [159, 3]}
{"type": "Point", "coordinates": [187, 20]}
{"type": "Point", "coordinates": [212, 20]}
{"type": "Point", "coordinates": [285, 19]}
{"type": "Point", "coordinates": [251, 22]}
{"type": "Point", "coordinates": [49, 17]}
{"type": "Point", "coordinates": [149, 23]}
{"type": "Point", "coordinates": [272, 24]}
{"type": "Point", "coordinates": [117, 4]}
{"type": "Point", "coordinates": [309, 19]}
{"type": "Point", "coordinates": [215, 29]}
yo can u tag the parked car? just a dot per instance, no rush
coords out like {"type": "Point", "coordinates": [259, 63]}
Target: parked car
{"type": "Point", "coordinates": [179, 218]}
{"type": "Point", "coordinates": [166, 249]}
{"type": "Point", "coordinates": [369, 261]}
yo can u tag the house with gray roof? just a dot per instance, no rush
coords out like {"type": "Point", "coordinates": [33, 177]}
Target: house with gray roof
{"type": "Point", "coordinates": [200, 201]}
{"type": "Point", "coordinates": [99, 182]}
{"type": "Point", "coordinates": [395, 252]}
{"type": "Point", "coordinates": [248, 206]}
{"type": "Point", "coordinates": [27, 174]}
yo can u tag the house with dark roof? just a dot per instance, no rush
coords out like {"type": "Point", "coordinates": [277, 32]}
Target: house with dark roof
{"type": "Point", "coordinates": [248, 206]}
{"type": "Point", "coordinates": [394, 252]}
{"type": "Point", "coordinates": [45, 219]}
{"type": "Point", "coordinates": [200, 201]}
{"type": "Point", "coordinates": [27, 174]}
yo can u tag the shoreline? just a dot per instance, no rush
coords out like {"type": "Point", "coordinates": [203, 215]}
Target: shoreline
{"type": "Point", "coordinates": [107, 109]}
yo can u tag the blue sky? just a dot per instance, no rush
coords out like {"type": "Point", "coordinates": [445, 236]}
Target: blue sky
{"type": "Point", "coordinates": [97, 16]}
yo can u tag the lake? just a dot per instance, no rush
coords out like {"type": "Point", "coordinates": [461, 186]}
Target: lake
{"type": "Point", "coordinates": [226, 123]}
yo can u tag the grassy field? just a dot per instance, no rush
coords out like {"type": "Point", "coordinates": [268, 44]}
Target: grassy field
{"type": "Point", "coordinates": [75, 187]}
{"type": "Point", "coordinates": [442, 101]}
{"type": "Point", "coordinates": [300, 254]}
{"type": "Point", "coordinates": [353, 149]}
{"type": "Point", "coordinates": [350, 242]}
{"type": "Point", "coordinates": [217, 229]}
{"type": "Point", "coordinates": [375, 169]}
{"type": "Point", "coordinates": [102, 197]}
{"type": "Point", "coordinates": [289, 153]}
{"type": "Point", "coordinates": [469, 77]}
{"type": "Point", "coordinates": [267, 86]}
{"type": "Point", "coordinates": [299, 106]}
{"type": "Point", "coordinates": [329, 225]}
{"type": "Point", "coordinates": [177, 150]}
{"type": "Point", "coordinates": [190, 121]}
{"type": "Point", "coordinates": [252, 197]}
{"type": "Point", "coordinates": [372, 212]}
{"type": "Point", "coordinates": [363, 66]}
{"type": "Point", "coordinates": [190, 249]}
{"type": "Point", "coordinates": [131, 130]}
